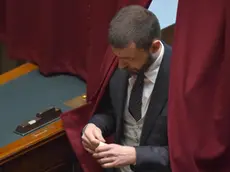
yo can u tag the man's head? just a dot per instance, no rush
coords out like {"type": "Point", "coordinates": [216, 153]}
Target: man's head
{"type": "Point", "coordinates": [134, 34]}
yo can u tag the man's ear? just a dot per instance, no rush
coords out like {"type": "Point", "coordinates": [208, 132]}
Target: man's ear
{"type": "Point", "coordinates": [155, 46]}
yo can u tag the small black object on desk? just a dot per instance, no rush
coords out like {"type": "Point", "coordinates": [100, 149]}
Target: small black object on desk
{"type": "Point", "coordinates": [41, 119]}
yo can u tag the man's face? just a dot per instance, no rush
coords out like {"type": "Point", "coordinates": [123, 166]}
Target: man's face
{"type": "Point", "coordinates": [133, 59]}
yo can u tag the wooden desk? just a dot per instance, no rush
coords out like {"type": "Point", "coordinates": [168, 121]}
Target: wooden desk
{"type": "Point", "coordinates": [45, 150]}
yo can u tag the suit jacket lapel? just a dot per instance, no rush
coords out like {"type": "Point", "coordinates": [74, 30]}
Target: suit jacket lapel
{"type": "Point", "coordinates": [122, 83]}
{"type": "Point", "coordinates": [158, 98]}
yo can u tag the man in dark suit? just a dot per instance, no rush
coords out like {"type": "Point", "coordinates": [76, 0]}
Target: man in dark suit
{"type": "Point", "coordinates": [134, 107]}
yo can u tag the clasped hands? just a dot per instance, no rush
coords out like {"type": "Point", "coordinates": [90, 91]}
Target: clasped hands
{"type": "Point", "coordinates": [107, 155]}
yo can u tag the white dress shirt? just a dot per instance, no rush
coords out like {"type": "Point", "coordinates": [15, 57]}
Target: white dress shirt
{"type": "Point", "coordinates": [151, 75]}
{"type": "Point", "coordinates": [133, 128]}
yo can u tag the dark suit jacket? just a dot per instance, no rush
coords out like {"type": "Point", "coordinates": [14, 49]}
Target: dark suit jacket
{"type": "Point", "coordinates": [152, 154]}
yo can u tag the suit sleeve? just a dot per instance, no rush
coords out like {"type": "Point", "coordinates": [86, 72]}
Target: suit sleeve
{"type": "Point", "coordinates": [104, 117]}
{"type": "Point", "coordinates": [153, 157]}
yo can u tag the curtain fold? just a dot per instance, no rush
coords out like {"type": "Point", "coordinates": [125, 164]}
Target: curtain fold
{"type": "Point", "coordinates": [67, 37]}
{"type": "Point", "coordinates": [2, 20]}
{"type": "Point", "coordinates": [199, 113]}
{"type": "Point", "coordinates": [99, 76]}
{"type": "Point", "coordinates": [53, 34]}
{"type": "Point", "coordinates": [61, 37]}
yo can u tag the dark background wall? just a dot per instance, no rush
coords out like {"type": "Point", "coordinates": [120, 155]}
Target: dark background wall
{"type": "Point", "coordinates": [6, 63]}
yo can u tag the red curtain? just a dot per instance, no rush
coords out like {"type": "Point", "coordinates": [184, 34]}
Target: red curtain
{"type": "Point", "coordinates": [61, 37]}
{"type": "Point", "coordinates": [75, 120]}
{"type": "Point", "coordinates": [199, 111]}
{"type": "Point", "coordinates": [67, 37]}
{"type": "Point", "coordinates": [2, 20]}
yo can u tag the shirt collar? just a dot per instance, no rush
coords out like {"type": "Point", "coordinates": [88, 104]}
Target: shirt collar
{"type": "Point", "coordinates": [158, 56]}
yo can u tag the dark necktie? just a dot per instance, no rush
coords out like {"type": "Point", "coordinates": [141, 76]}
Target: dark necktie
{"type": "Point", "coordinates": [135, 101]}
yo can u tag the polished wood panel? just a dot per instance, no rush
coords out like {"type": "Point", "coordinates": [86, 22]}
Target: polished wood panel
{"type": "Point", "coordinates": [53, 156]}
{"type": "Point", "coordinates": [45, 150]}
{"type": "Point", "coordinates": [31, 141]}
{"type": "Point", "coordinates": [15, 73]}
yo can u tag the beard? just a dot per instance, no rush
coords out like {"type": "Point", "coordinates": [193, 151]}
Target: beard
{"type": "Point", "coordinates": [143, 69]}
{"type": "Point", "coordinates": [134, 71]}
{"type": "Point", "coordinates": [150, 60]}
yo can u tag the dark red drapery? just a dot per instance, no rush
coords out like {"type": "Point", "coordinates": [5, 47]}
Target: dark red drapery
{"type": "Point", "coordinates": [199, 111]}
{"type": "Point", "coordinates": [67, 37]}
{"type": "Point", "coordinates": [75, 120]}
{"type": "Point", "coordinates": [2, 19]}
{"type": "Point", "coordinates": [61, 37]}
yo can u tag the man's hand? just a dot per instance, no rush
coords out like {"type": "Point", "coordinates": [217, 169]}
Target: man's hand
{"type": "Point", "coordinates": [91, 138]}
{"type": "Point", "coordinates": [113, 155]}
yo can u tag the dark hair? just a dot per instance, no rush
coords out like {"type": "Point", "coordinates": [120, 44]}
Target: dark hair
{"type": "Point", "coordinates": [135, 24]}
